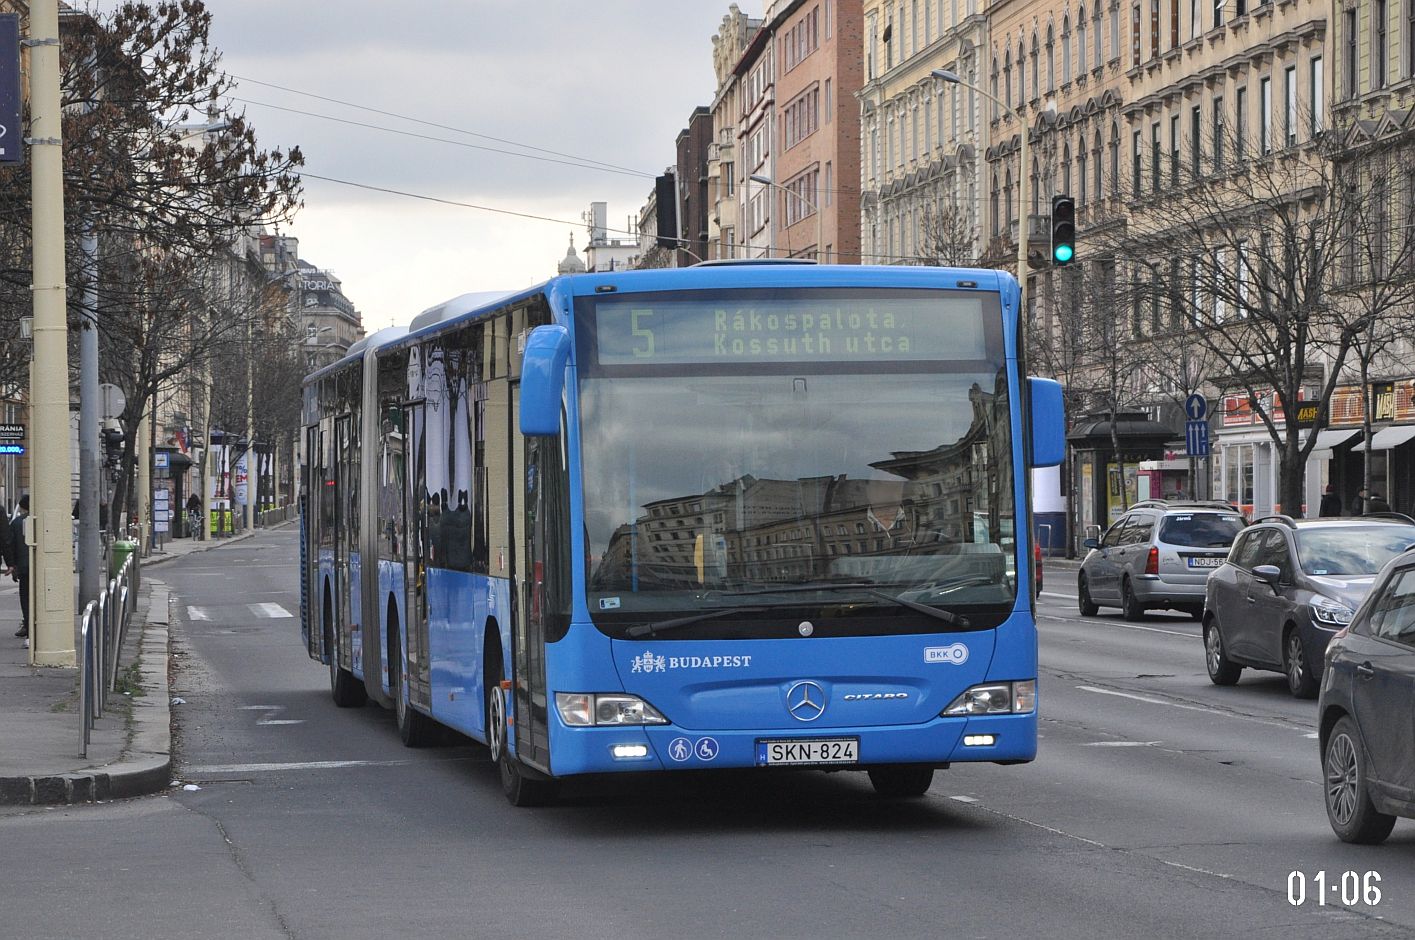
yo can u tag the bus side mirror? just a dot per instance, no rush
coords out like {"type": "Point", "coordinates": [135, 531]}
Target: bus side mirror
{"type": "Point", "coordinates": [1048, 422]}
{"type": "Point", "coordinates": [543, 380]}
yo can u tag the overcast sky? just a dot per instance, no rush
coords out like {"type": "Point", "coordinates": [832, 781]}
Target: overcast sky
{"type": "Point", "coordinates": [610, 81]}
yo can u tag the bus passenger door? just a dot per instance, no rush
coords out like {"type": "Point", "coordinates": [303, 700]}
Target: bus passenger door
{"type": "Point", "coordinates": [415, 554]}
{"type": "Point", "coordinates": [310, 600]}
{"type": "Point", "coordinates": [344, 476]}
{"type": "Point", "coordinates": [539, 599]}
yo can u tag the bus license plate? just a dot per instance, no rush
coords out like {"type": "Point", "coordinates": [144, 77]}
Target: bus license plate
{"type": "Point", "coordinates": [1205, 562]}
{"type": "Point", "coordinates": [799, 752]}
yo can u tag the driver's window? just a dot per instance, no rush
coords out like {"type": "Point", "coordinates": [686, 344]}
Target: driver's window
{"type": "Point", "coordinates": [1112, 535]}
{"type": "Point", "coordinates": [1275, 552]}
{"type": "Point", "coordinates": [1394, 615]}
{"type": "Point", "coordinates": [1245, 554]}
{"type": "Point", "coordinates": [1138, 531]}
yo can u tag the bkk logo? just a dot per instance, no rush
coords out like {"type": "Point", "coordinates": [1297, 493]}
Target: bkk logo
{"type": "Point", "coordinates": [956, 653]}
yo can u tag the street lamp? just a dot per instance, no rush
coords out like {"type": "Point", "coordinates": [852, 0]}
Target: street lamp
{"type": "Point", "coordinates": [1023, 190]}
{"type": "Point", "coordinates": [820, 229]}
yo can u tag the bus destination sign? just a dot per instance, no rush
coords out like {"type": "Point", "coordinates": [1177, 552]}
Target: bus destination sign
{"type": "Point", "coordinates": [904, 326]}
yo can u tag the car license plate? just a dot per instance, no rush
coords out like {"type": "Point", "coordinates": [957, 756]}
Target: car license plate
{"type": "Point", "coordinates": [1205, 562]}
{"type": "Point", "coordinates": [799, 752]}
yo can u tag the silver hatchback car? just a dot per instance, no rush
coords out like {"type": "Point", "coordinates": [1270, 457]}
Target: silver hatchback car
{"type": "Point", "coordinates": [1157, 555]}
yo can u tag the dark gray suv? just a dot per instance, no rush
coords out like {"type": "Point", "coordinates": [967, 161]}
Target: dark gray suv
{"type": "Point", "coordinates": [1158, 554]}
{"type": "Point", "coordinates": [1287, 587]}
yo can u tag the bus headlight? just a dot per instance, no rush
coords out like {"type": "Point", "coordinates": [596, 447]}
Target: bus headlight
{"type": "Point", "coordinates": [584, 709]}
{"type": "Point", "coordinates": [995, 698]}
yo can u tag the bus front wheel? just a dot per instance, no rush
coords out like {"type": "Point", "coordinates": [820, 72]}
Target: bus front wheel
{"type": "Point", "coordinates": [901, 780]}
{"type": "Point", "coordinates": [520, 788]}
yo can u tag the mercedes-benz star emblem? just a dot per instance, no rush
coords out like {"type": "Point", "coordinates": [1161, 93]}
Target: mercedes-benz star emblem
{"type": "Point", "coordinates": [805, 701]}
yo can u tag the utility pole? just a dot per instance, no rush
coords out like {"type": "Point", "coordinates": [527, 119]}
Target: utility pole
{"type": "Point", "coordinates": [90, 557]}
{"type": "Point", "coordinates": [51, 573]}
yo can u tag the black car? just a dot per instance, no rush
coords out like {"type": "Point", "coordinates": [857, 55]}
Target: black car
{"type": "Point", "coordinates": [1367, 711]}
{"type": "Point", "coordinates": [1287, 586]}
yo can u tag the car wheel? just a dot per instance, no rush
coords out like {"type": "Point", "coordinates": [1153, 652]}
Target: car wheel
{"type": "Point", "coordinates": [1222, 670]}
{"type": "Point", "coordinates": [1300, 681]}
{"type": "Point", "coordinates": [520, 787]}
{"type": "Point", "coordinates": [1129, 604]}
{"type": "Point", "coordinates": [902, 780]}
{"type": "Point", "coordinates": [1089, 608]}
{"type": "Point", "coordinates": [1352, 815]}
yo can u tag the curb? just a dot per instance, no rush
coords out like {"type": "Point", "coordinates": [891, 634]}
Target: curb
{"type": "Point", "coordinates": [150, 560]}
{"type": "Point", "coordinates": [146, 764]}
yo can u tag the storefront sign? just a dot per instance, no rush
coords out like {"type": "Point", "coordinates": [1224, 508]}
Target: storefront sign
{"type": "Point", "coordinates": [1382, 402]}
{"type": "Point", "coordinates": [1307, 413]}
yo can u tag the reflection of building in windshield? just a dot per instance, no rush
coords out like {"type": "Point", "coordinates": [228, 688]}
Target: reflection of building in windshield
{"type": "Point", "coordinates": [940, 501]}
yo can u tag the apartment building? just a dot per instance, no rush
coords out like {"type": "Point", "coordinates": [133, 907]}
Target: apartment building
{"type": "Point", "coordinates": [728, 46]}
{"type": "Point", "coordinates": [923, 140]}
{"type": "Point", "coordinates": [797, 132]}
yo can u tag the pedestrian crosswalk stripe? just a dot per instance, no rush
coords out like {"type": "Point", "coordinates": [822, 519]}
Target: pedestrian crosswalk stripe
{"type": "Point", "coordinates": [269, 610]}
{"type": "Point", "coordinates": [196, 613]}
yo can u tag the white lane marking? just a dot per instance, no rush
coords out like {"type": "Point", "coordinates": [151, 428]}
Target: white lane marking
{"type": "Point", "coordinates": [1120, 743]}
{"type": "Point", "coordinates": [1125, 626]}
{"type": "Point", "coordinates": [1192, 708]}
{"type": "Point", "coordinates": [196, 613]}
{"type": "Point", "coordinates": [272, 710]}
{"type": "Point", "coordinates": [299, 765]}
{"type": "Point", "coordinates": [269, 610]}
{"type": "Point", "coordinates": [963, 799]}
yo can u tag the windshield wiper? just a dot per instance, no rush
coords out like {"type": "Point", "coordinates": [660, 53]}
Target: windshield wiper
{"type": "Point", "coordinates": [658, 626]}
{"type": "Point", "coordinates": [868, 587]}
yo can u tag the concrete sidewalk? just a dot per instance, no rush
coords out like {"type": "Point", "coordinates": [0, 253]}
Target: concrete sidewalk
{"type": "Point", "coordinates": [130, 747]}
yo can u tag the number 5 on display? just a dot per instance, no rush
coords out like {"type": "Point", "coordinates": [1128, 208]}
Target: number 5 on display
{"type": "Point", "coordinates": [645, 351]}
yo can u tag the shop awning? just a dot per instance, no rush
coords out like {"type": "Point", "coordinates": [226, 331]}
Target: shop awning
{"type": "Point", "coordinates": [1386, 438]}
{"type": "Point", "coordinates": [1326, 440]}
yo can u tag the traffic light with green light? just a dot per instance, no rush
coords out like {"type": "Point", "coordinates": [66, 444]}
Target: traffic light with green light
{"type": "Point", "coordinates": [1063, 230]}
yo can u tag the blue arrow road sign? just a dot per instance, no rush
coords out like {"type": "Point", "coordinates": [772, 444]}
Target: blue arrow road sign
{"type": "Point", "coordinates": [1196, 406]}
{"type": "Point", "coordinates": [1196, 438]}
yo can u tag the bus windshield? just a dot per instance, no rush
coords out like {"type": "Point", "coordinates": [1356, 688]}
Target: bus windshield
{"type": "Point", "coordinates": [846, 492]}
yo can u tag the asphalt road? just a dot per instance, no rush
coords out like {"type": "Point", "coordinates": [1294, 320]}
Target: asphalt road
{"type": "Point", "coordinates": [1160, 806]}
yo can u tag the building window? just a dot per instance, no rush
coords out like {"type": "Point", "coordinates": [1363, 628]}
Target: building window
{"type": "Point", "coordinates": [1265, 115]}
{"type": "Point", "coordinates": [1240, 123]}
{"type": "Point", "coordinates": [1174, 149]}
{"type": "Point", "coordinates": [1156, 177]}
{"type": "Point", "coordinates": [1096, 34]}
{"type": "Point", "coordinates": [829, 183]}
{"type": "Point", "coordinates": [1051, 61]}
{"type": "Point", "coordinates": [1115, 157]}
{"type": "Point", "coordinates": [1173, 24]}
{"type": "Point", "coordinates": [1290, 90]}
{"type": "Point", "coordinates": [1066, 168]}
{"type": "Point", "coordinates": [1135, 160]}
{"type": "Point", "coordinates": [1154, 28]}
{"type": "Point", "coordinates": [1097, 165]}
{"type": "Point", "coordinates": [1007, 78]}
{"type": "Point", "coordinates": [802, 196]}
{"type": "Point", "coordinates": [800, 118]}
{"type": "Point", "coordinates": [1066, 51]}
{"type": "Point", "coordinates": [1135, 35]}
{"type": "Point", "coordinates": [1218, 133]}
{"type": "Point", "coordinates": [828, 101]}
{"type": "Point", "coordinates": [1081, 40]}
{"type": "Point", "coordinates": [1218, 12]}
{"type": "Point", "coordinates": [1196, 24]}
{"type": "Point", "coordinates": [1353, 62]}
{"type": "Point", "coordinates": [1196, 140]}
{"type": "Point", "coordinates": [1378, 47]}
{"type": "Point", "coordinates": [1036, 68]}
{"type": "Point", "coordinates": [1114, 32]}
{"type": "Point", "coordinates": [1021, 75]}
{"type": "Point", "coordinates": [1314, 93]}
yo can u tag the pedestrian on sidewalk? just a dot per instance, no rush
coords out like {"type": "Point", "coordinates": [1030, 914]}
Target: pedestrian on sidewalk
{"type": "Point", "coordinates": [16, 555]}
{"type": "Point", "coordinates": [1331, 503]}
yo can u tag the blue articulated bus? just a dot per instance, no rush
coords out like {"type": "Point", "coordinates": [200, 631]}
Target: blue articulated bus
{"type": "Point", "coordinates": [737, 515]}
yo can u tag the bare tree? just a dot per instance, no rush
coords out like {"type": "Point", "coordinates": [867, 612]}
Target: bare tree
{"type": "Point", "coordinates": [1248, 249]}
{"type": "Point", "coordinates": [947, 236]}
